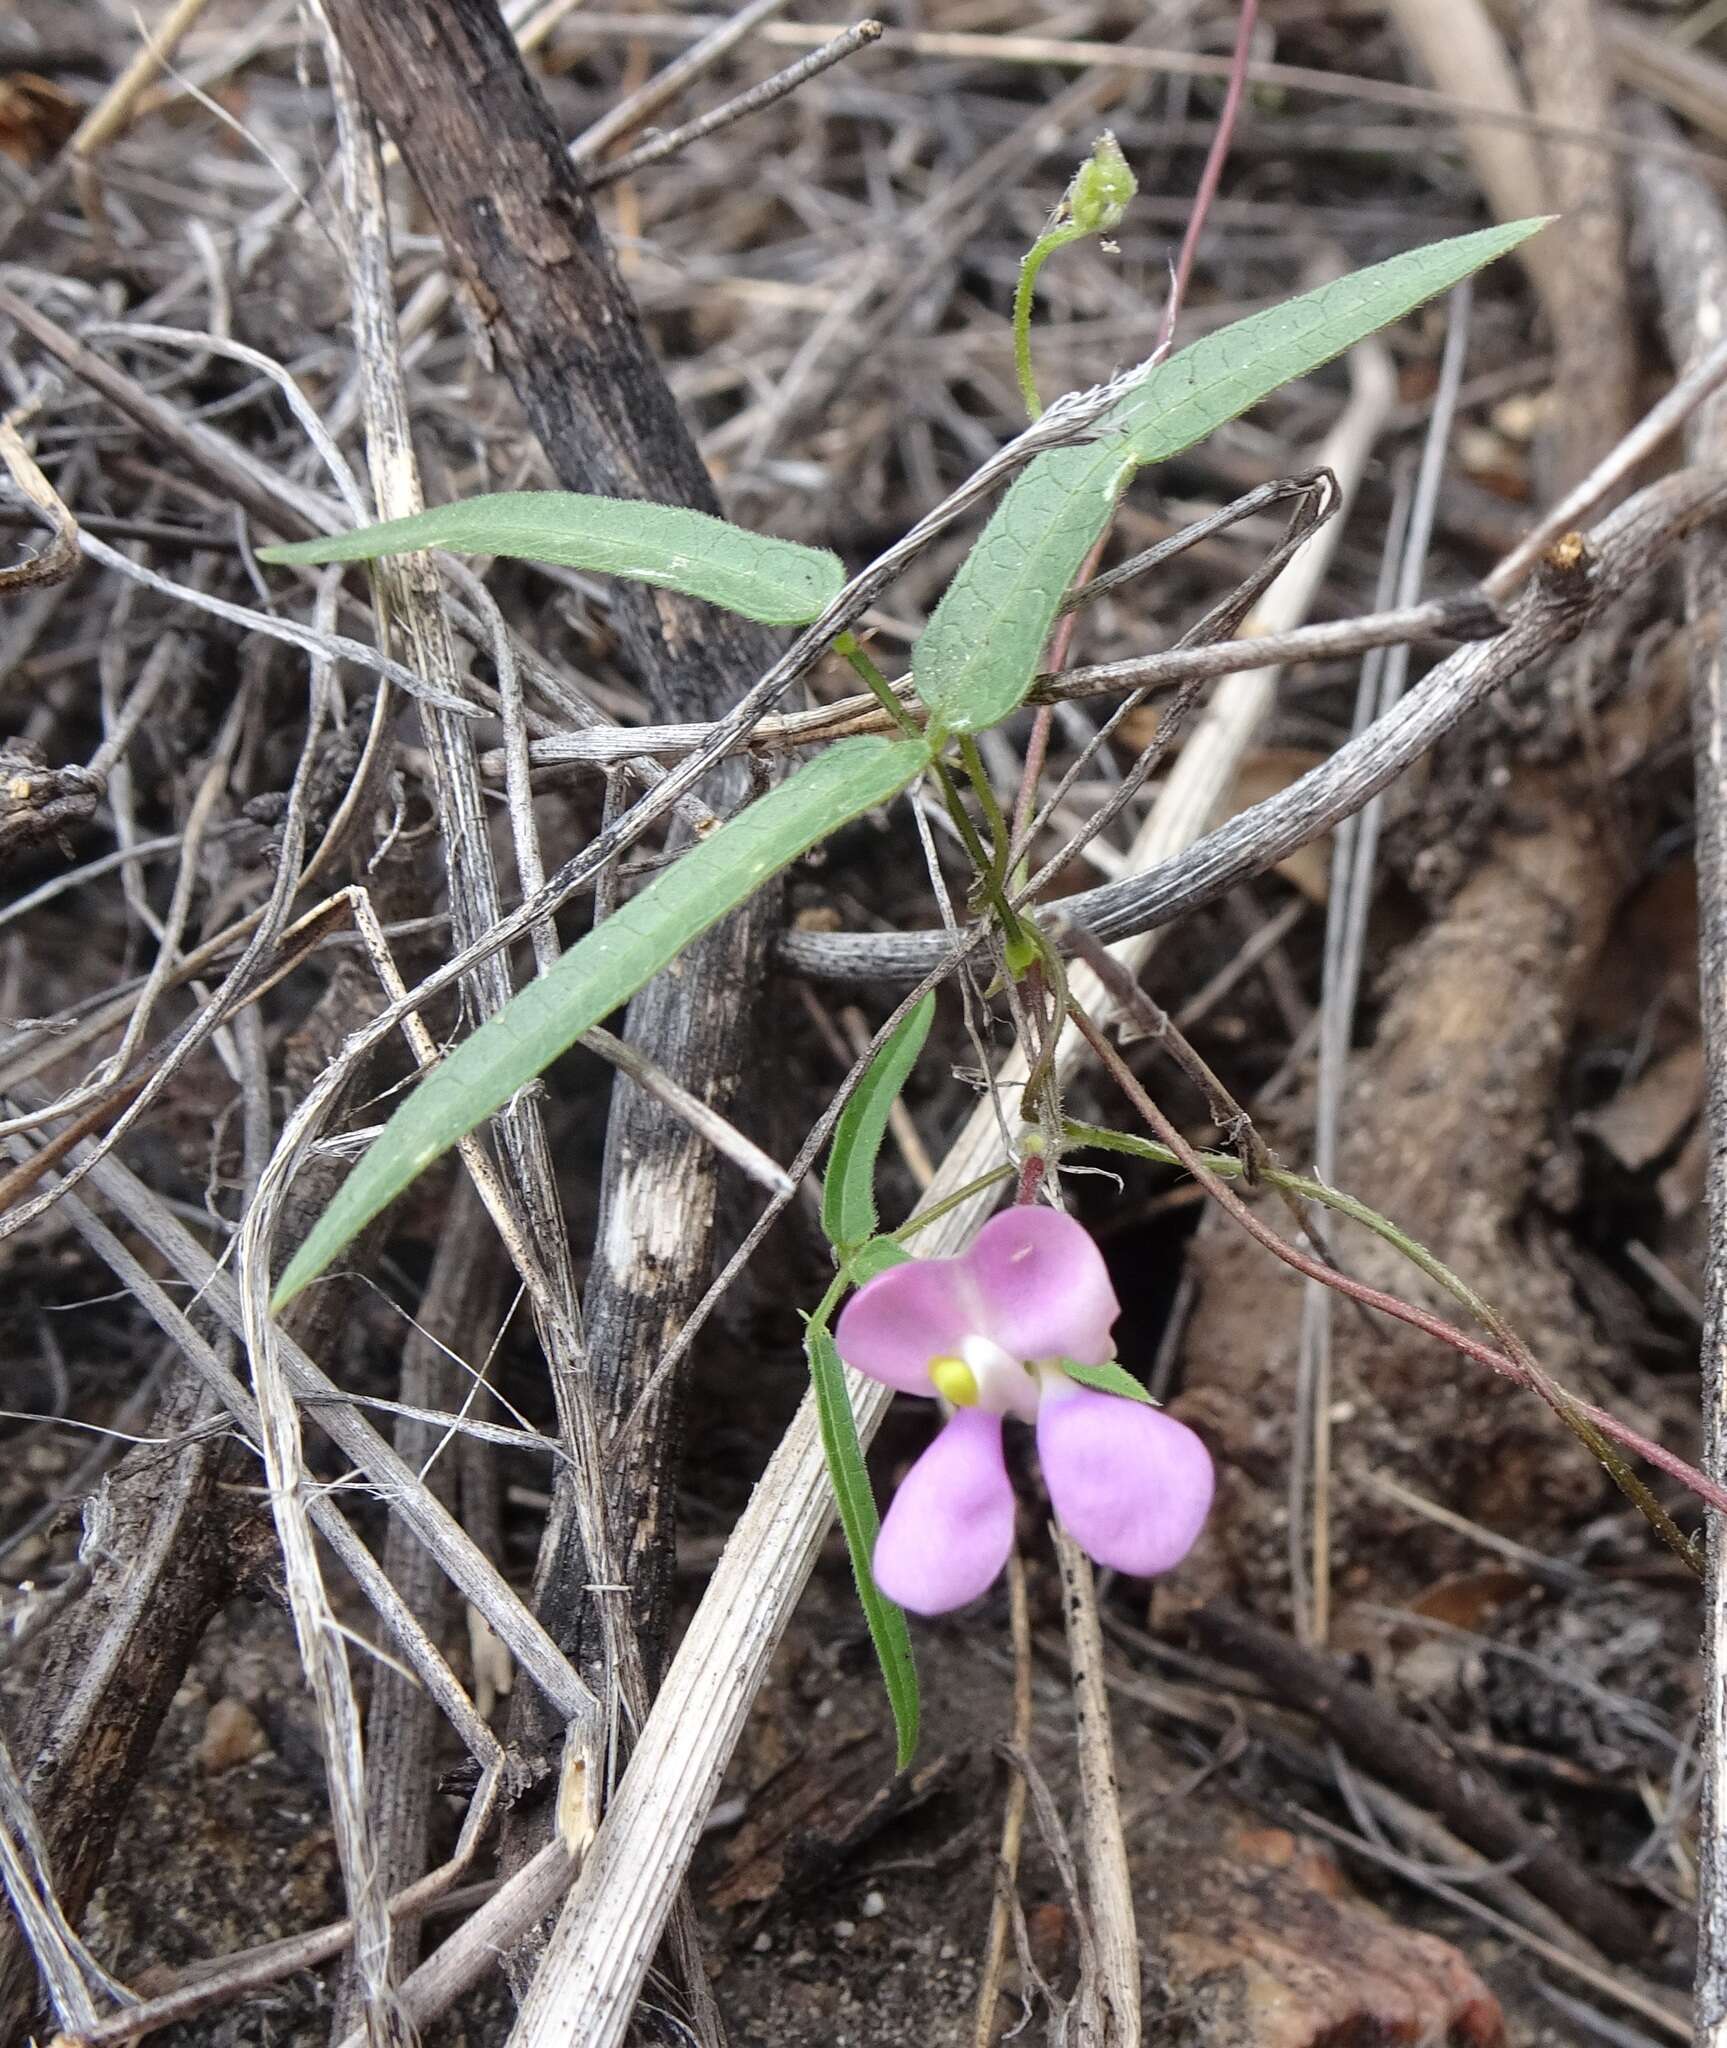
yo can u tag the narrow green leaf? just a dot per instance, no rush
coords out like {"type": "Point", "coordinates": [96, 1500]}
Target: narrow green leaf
{"type": "Point", "coordinates": [976, 658]}
{"type": "Point", "coordinates": [848, 1193]}
{"type": "Point", "coordinates": [776, 582]}
{"type": "Point", "coordinates": [859, 1521]}
{"type": "Point", "coordinates": [979, 654]}
{"type": "Point", "coordinates": [1107, 1379]}
{"type": "Point", "coordinates": [603, 970]}
{"type": "Point", "coordinates": [1225, 373]}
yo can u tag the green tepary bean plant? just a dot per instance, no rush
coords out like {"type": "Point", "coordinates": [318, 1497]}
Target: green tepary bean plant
{"type": "Point", "coordinates": [972, 667]}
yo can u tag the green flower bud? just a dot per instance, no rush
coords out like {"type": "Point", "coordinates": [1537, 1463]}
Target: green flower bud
{"type": "Point", "coordinates": [1098, 196]}
{"type": "Point", "coordinates": [1022, 952]}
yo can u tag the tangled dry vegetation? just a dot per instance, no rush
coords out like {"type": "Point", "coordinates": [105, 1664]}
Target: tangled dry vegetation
{"type": "Point", "coordinates": [1411, 1749]}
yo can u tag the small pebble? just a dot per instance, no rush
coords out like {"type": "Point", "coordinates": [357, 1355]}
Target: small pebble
{"type": "Point", "coordinates": [949, 1949]}
{"type": "Point", "coordinates": [763, 1943]}
{"type": "Point", "coordinates": [231, 1736]}
{"type": "Point", "coordinates": [726, 1813]}
{"type": "Point", "coordinates": [845, 1929]}
{"type": "Point", "coordinates": [874, 1906]}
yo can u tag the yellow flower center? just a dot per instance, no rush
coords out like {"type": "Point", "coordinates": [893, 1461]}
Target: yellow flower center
{"type": "Point", "coordinates": [954, 1381]}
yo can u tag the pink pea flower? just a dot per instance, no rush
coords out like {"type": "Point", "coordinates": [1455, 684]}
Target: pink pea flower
{"type": "Point", "coordinates": [985, 1331]}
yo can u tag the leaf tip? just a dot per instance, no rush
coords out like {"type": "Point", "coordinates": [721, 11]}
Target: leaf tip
{"type": "Point", "coordinates": [290, 1284]}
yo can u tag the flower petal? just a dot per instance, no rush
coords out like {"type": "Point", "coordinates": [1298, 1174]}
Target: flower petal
{"type": "Point", "coordinates": [1130, 1484]}
{"type": "Point", "coordinates": [896, 1323]}
{"type": "Point", "coordinates": [1044, 1286]}
{"type": "Point", "coordinates": [950, 1527]}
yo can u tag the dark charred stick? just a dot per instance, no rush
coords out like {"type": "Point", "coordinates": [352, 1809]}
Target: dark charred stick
{"type": "Point", "coordinates": [524, 243]}
{"type": "Point", "coordinates": [1413, 1762]}
{"type": "Point", "coordinates": [523, 240]}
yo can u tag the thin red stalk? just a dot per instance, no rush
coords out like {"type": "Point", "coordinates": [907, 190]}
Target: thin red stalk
{"type": "Point", "coordinates": [1421, 1319]}
{"type": "Point", "coordinates": [1212, 176]}
{"type": "Point", "coordinates": [1037, 747]}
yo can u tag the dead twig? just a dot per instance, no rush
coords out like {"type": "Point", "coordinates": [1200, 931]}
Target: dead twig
{"type": "Point", "coordinates": [1407, 1758]}
{"type": "Point", "coordinates": [1003, 1896]}
{"type": "Point", "coordinates": [1622, 550]}
{"type": "Point", "coordinates": [673, 79]}
{"type": "Point", "coordinates": [1569, 70]}
{"type": "Point", "coordinates": [1076, 54]}
{"type": "Point", "coordinates": [1109, 1886]}
{"type": "Point", "coordinates": [59, 559]}
{"type": "Point", "coordinates": [752, 102]}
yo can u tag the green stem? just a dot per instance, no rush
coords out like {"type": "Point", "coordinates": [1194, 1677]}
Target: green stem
{"type": "Point", "coordinates": [1041, 1078]}
{"type": "Point", "coordinates": [925, 1217]}
{"type": "Point", "coordinates": [989, 878]}
{"type": "Point", "coordinates": [978, 776]}
{"type": "Point", "coordinates": [992, 868]}
{"type": "Point", "coordinates": [850, 648]}
{"type": "Point", "coordinates": [1035, 258]}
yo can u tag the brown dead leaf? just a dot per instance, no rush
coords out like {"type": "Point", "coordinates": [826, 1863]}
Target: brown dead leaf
{"type": "Point", "coordinates": [1495, 463]}
{"type": "Point", "coordinates": [36, 118]}
{"type": "Point", "coordinates": [1649, 1115]}
{"type": "Point", "coordinates": [1469, 1599]}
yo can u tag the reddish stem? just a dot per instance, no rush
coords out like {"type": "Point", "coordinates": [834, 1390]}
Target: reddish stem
{"type": "Point", "coordinates": [1212, 176]}
{"type": "Point", "coordinates": [1421, 1319]}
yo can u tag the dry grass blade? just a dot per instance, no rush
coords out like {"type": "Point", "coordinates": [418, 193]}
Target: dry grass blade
{"type": "Point", "coordinates": [1109, 1887]}
{"type": "Point", "coordinates": [24, 1868]}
